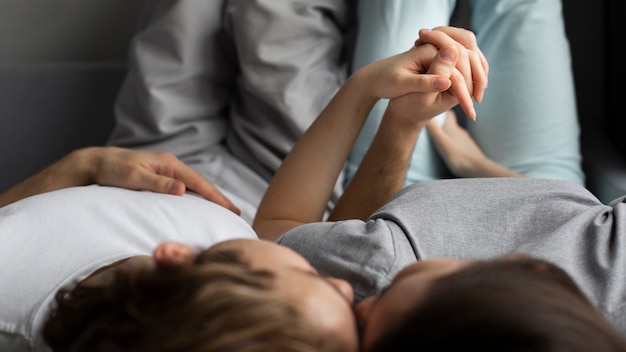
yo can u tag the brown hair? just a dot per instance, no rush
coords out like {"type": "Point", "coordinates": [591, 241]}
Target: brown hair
{"type": "Point", "coordinates": [504, 305]}
{"type": "Point", "coordinates": [221, 305]}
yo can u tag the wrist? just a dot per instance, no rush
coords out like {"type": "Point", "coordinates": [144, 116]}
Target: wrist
{"type": "Point", "coordinates": [363, 84]}
{"type": "Point", "coordinates": [83, 165]}
{"type": "Point", "coordinates": [404, 123]}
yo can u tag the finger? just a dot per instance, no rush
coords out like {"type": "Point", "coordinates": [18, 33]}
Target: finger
{"type": "Point", "coordinates": [445, 61]}
{"type": "Point", "coordinates": [149, 181]}
{"type": "Point", "coordinates": [423, 82]}
{"type": "Point", "coordinates": [462, 94]}
{"type": "Point", "coordinates": [427, 83]}
{"type": "Point", "coordinates": [177, 185]}
{"type": "Point", "coordinates": [171, 176]}
{"type": "Point", "coordinates": [479, 77]}
{"type": "Point", "coordinates": [473, 66]}
{"type": "Point", "coordinates": [468, 39]}
{"type": "Point", "coordinates": [195, 182]}
{"type": "Point", "coordinates": [441, 39]}
{"type": "Point", "coordinates": [210, 192]}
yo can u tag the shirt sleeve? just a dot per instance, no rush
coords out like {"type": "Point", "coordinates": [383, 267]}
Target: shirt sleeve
{"type": "Point", "coordinates": [366, 254]}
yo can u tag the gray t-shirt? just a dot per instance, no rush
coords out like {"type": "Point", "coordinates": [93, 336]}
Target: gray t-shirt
{"type": "Point", "coordinates": [477, 219]}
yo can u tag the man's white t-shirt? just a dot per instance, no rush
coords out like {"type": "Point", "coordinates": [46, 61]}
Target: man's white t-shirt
{"type": "Point", "coordinates": [54, 239]}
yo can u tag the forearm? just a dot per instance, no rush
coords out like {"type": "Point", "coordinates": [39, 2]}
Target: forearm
{"type": "Point", "coordinates": [71, 170]}
{"type": "Point", "coordinates": [381, 173]}
{"type": "Point", "coordinates": [300, 190]}
{"type": "Point", "coordinates": [489, 168]}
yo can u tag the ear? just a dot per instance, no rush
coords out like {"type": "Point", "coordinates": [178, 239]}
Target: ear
{"type": "Point", "coordinates": [173, 254]}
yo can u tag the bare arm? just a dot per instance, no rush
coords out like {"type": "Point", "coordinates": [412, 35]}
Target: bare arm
{"type": "Point", "coordinates": [460, 152]}
{"type": "Point", "coordinates": [381, 173]}
{"type": "Point", "coordinates": [111, 166]}
{"type": "Point", "coordinates": [302, 186]}
{"type": "Point", "coordinates": [383, 169]}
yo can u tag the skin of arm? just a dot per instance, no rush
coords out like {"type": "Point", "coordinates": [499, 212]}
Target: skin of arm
{"type": "Point", "coordinates": [111, 166]}
{"type": "Point", "coordinates": [300, 190]}
{"type": "Point", "coordinates": [387, 160]}
{"type": "Point", "coordinates": [460, 152]}
{"type": "Point", "coordinates": [383, 169]}
{"type": "Point", "coordinates": [384, 165]}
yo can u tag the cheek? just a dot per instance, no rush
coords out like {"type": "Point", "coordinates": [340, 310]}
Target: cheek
{"type": "Point", "coordinates": [389, 310]}
{"type": "Point", "coordinates": [343, 287]}
{"type": "Point", "coordinates": [331, 313]}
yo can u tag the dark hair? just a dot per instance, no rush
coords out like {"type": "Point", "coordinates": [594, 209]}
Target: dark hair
{"type": "Point", "coordinates": [221, 305]}
{"type": "Point", "coordinates": [504, 305]}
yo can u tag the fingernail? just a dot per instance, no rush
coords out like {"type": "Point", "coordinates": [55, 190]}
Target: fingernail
{"type": "Point", "coordinates": [448, 54]}
{"type": "Point", "coordinates": [442, 84]}
{"type": "Point", "coordinates": [174, 187]}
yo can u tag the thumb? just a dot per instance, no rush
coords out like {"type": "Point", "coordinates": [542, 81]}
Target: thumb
{"type": "Point", "coordinates": [426, 83]}
{"type": "Point", "coordinates": [445, 64]}
{"type": "Point", "coordinates": [445, 61]}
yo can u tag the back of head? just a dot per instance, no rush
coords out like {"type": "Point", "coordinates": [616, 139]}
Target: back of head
{"type": "Point", "coordinates": [504, 305]}
{"type": "Point", "coordinates": [218, 305]}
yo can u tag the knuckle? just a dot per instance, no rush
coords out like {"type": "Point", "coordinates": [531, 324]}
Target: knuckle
{"type": "Point", "coordinates": [396, 78]}
{"type": "Point", "coordinates": [132, 173]}
{"type": "Point", "coordinates": [167, 155]}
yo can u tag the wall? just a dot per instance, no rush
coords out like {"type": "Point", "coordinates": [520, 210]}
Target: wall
{"type": "Point", "coordinates": [66, 30]}
{"type": "Point", "coordinates": [61, 65]}
{"type": "Point", "coordinates": [594, 29]}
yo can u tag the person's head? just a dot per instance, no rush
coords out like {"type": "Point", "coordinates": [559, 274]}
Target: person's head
{"type": "Point", "coordinates": [510, 304]}
{"type": "Point", "coordinates": [240, 295]}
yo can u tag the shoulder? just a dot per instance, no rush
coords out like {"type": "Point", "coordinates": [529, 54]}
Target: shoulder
{"type": "Point", "coordinates": [367, 254]}
{"type": "Point", "coordinates": [485, 194]}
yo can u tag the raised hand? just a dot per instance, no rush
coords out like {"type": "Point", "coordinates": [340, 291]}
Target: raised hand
{"type": "Point", "coordinates": [472, 63]}
{"type": "Point", "coordinates": [419, 108]}
{"type": "Point", "coordinates": [383, 169]}
{"type": "Point", "coordinates": [402, 74]}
